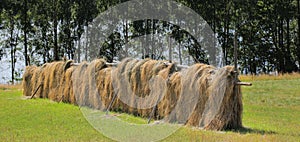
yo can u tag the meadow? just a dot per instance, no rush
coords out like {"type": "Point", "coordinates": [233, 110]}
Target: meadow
{"type": "Point", "coordinates": [271, 113]}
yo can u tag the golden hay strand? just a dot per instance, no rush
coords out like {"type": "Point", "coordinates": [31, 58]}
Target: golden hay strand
{"type": "Point", "coordinates": [27, 82]}
{"type": "Point", "coordinates": [45, 80]}
{"type": "Point", "coordinates": [55, 74]}
{"type": "Point", "coordinates": [68, 95]}
{"type": "Point", "coordinates": [92, 98]}
{"type": "Point", "coordinates": [204, 72]}
{"type": "Point", "coordinates": [62, 81]}
{"type": "Point", "coordinates": [35, 82]}
{"type": "Point", "coordinates": [78, 82]}
{"type": "Point", "coordinates": [229, 114]}
{"type": "Point", "coordinates": [169, 100]}
{"type": "Point", "coordinates": [123, 75]}
{"type": "Point", "coordinates": [135, 79]}
{"type": "Point", "coordinates": [104, 87]}
{"type": "Point", "coordinates": [163, 71]}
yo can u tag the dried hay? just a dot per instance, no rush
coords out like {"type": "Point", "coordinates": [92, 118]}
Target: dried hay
{"type": "Point", "coordinates": [200, 95]}
{"type": "Point", "coordinates": [156, 87]}
{"type": "Point", "coordinates": [78, 78]}
{"type": "Point", "coordinates": [224, 106]}
{"type": "Point", "coordinates": [60, 95]}
{"type": "Point", "coordinates": [55, 74]}
{"type": "Point", "coordinates": [68, 94]}
{"type": "Point", "coordinates": [169, 100]}
{"type": "Point", "coordinates": [43, 78]}
{"type": "Point", "coordinates": [188, 96]}
{"type": "Point", "coordinates": [92, 96]}
{"type": "Point", "coordinates": [105, 88]}
{"type": "Point", "coordinates": [121, 85]}
{"type": "Point", "coordinates": [27, 82]}
{"type": "Point", "coordinates": [35, 81]}
{"type": "Point", "coordinates": [204, 73]}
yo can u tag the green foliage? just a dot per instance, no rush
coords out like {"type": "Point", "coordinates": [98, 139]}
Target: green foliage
{"type": "Point", "coordinates": [270, 114]}
{"type": "Point", "coordinates": [268, 31]}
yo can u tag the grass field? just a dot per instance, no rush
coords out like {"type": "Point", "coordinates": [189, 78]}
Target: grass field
{"type": "Point", "coordinates": [271, 113]}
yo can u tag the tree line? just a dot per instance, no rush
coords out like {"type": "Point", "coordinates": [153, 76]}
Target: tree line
{"type": "Point", "coordinates": [267, 32]}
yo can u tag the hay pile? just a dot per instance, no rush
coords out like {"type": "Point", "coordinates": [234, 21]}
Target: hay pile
{"type": "Point", "coordinates": [28, 80]}
{"type": "Point", "coordinates": [224, 106]}
{"type": "Point", "coordinates": [200, 95]}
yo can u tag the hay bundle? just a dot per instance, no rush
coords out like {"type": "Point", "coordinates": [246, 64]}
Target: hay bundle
{"type": "Point", "coordinates": [205, 73]}
{"type": "Point", "coordinates": [63, 85]}
{"type": "Point", "coordinates": [224, 106]}
{"type": "Point", "coordinates": [35, 82]}
{"type": "Point", "coordinates": [189, 94]}
{"type": "Point", "coordinates": [167, 104]}
{"type": "Point", "coordinates": [135, 79]}
{"type": "Point", "coordinates": [136, 75]}
{"type": "Point", "coordinates": [198, 96]}
{"type": "Point", "coordinates": [78, 79]}
{"type": "Point", "coordinates": [27, 83]}
{"type": "Point", "coordinates": [89, 83]}
{"type": "Point", "coordinates": [153, 80]}
{"type": "Point", "coordinates": [121, 85]}
{"type": "Point", "coordinates": [44, 79]}
{"type": "Point", "coordinates": [92, 96]}
{"type": "Point", "coordinates": [156, 86]}
{"type": "Point", "coordinates": [55, 74]}
{"type": "Point", "coordinates": [68, 94]}
{"type": "Point", "coordinates": [105, 88]}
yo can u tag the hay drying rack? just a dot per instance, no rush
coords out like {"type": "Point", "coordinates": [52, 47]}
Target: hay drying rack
{"type": "Point", "coordinates": [179, 67]}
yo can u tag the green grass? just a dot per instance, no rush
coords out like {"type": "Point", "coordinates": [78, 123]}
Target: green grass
{"type": "Point", "coordinates": [271, 113]}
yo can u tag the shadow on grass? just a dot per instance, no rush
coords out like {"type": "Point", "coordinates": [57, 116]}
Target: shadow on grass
{"type": "Point", "coordinates": [245, 130]}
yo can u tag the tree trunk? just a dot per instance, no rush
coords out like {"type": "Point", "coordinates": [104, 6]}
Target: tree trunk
{"type": "Point", "coordinates": [126, 38]}
{"type": "Point", "coordinates": [25, 34]}
{"type": "Point", "coordinates": [78, 50]}
{"type": "Point", "coordinates": [170, 49]}
{"type": "Point", "coordinates": [283, 59]}
{"type": "Point", "coordinates": [298, 46]}
{"type": "Point", "coordinates": [180, 54]}
{"type": "Point", "coordinates": [55, 25]}
{"type": "Point", "coordinates": [69, 48]}
{"type": "Point", "coordinates": [146, 46]}
{"type": "Point", "coordinates": [12, 51]}
{"type": "Point", "coordinates": [86, 43]}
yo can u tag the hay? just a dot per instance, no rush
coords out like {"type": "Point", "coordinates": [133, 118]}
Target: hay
{"type": "Point", "coordinates": [63, 85]}
{"type": "Point", "coordinates": [105, 88]}
{"type": "Point", "coordinates": [90, 96]}
{"type": "Point", "coordinates": [121, 84]}
{"type": "Point", "coordinates": [137, 76]}
{"type": "Point", "coordinates": [200, 95]}
{"type": "Point", "coordinates": [43, 79]}
{"type": "Point", "coordinates": [156, 85]}
{"type": "Point", "coordinates": [35, 81]}
{"type": "Point", "coordinates": [55, 74]}
{"type": "Point", "coordinates": [170, 98]}
{"type": "Point", "coordinates": [68, 95]}
{"type": "Point", "coordinates": [205, 73]}
{"type": "Point", "coordinates": [27, 82]}
{"type": "Point", "coordinates": [224, 106]}
{"type": "Point", "coordinates": [79, 83]}
{"type": "Point", "coordinates": [188, 96]}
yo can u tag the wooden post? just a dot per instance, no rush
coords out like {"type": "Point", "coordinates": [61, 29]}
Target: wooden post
{"type": "Point", "coordinates": [111, 103]}
{"type": "Point", "coordinates": [235, 55]}
{"type": "Point", "coordinates": [36, 91]}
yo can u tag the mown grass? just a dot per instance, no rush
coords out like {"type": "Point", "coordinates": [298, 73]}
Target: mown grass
{"type": "Point", "coordinates": [271, 113]}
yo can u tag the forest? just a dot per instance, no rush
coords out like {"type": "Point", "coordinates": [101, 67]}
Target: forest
{"type": "Point", "coordinates": [41, 31]}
